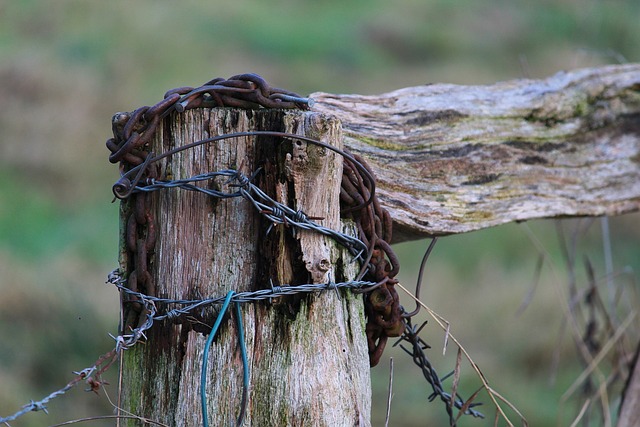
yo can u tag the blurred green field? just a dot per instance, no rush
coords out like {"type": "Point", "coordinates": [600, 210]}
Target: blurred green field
{"type": "Point", "coordinates": [67, 66]}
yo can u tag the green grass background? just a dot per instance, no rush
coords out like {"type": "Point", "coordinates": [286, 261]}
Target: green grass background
{"type": "Point", "coordinates": [66, 66]}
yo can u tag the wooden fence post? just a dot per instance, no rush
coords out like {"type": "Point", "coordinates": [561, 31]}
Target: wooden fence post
{"type": "Point", "coordinates": [307, 354]}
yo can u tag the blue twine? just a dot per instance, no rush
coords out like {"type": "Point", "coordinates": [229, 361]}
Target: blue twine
{"type": "Point", "coordinates": [205, 358]}
{"type": "Point", "coordinates": [245, 364]}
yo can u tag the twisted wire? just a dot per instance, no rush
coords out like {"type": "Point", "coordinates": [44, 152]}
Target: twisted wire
{"type": "Point", "coordinates": [274, 211]}
{"type": "Point", "coordinates": [186, 184]}
{"type": "Point", "coordinates": [241, 297]}
{"type": "Point", "coordinates": [150, 312]}
{"type": "Point", "coordinates": [416, 351]}
{"type": "Point", "coordinates": [132, 135]}
{"type": "Point", "coordinates": [279, 213]}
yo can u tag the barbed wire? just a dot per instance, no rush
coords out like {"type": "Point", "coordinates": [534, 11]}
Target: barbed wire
{"type": "Point", "coordinates": [277, 213]}
{"type": "Point", "coordinates": [274, 211]}
{"type": "Point", "coordinates": [91, 375]}
{"type": "Point", "coordinates": [416, 351]}
{"type": "Point", "coordinates": [238, 297]}
{"type": "Point", "coordinates": [130, 146]}
{"type": "Point", "coordinates": [281, 214]}
{"type": "Point", "coordinates": [123, 188]}
{"type": "Point", "coordinates": [151, 314]}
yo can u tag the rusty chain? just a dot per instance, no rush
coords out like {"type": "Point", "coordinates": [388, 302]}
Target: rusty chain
{"type": "Point", "coordinates": [130, 147]}
{"type": "Point", "coordinates": [374, 225]}
{"type": "Point", "coordinates": [132, 136]}
{"type": "Point", "coordinates": [386, 318]}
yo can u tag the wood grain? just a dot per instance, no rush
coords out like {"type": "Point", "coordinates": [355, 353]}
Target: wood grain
{"type": "Point", "coordinates": [452, 159]}
{"type": "Point", "coordinates": [308, 355]}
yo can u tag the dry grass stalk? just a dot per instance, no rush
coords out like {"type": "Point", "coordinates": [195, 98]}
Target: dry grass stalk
{"type": "Point", "coordinates": [593, 364]}
{"type": "Point", "coordinates": [493, 395]}
{"type": "Point", "coordinates": [389, 393]}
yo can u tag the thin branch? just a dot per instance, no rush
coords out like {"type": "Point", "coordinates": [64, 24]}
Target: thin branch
{"type": "Point", "coordinates": [583, 410]}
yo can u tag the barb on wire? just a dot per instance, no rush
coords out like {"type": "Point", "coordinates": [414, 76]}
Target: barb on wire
{"type": "Point", "coordinates": [122, 188]}
{"type": "Point", "coordinates": [150, 311]}
{"type": "Point", "coordinates": [238, 297]}
{"type": "Point", "coordinates": [386, 318]}
{"type": "Point", "coordinates": [91, 376]}
{"type": "Point", "coordinates": [186, 184]}
{"type": "Point", "coordinates": [133, 133]}
{"type": "Point", "coordinates": [273, 210]}
{"type": "Point", "coordinates": [416, 351]}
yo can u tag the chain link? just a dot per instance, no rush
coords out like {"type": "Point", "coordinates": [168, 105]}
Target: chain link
{"type": "Point", "coordinates": [132, 135]}
{"type": "Point", "coordinates": [130, 147]}
{"type": "Point", "coordinates": [382, 305]}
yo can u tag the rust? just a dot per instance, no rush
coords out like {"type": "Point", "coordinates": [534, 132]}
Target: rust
{"type": "Point", "coordinates": [162, 106]}
{"type": "Point", "coordinates": [382, 306]}
{"type": "Point", "coordinates": [130, 147]}
{"type": "Point", "coordinates": [136, 121]}
{"type": "Point", "coordinates": [132, 135]}
{"type": "Point", "coordinates": [125, 148]}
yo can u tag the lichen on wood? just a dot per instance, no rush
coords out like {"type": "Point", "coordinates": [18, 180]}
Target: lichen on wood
{"type": "Point", "coordinates": [452, 158]}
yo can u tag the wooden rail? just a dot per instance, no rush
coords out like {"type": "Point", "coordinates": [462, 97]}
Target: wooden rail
{"type": "Point", "coordinates": [452, 159]}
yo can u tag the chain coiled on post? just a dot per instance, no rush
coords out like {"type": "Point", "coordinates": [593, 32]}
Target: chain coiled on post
{"type": "Point", "coordinates": [132, 135]}
{"type": "Point", "coordinates": [130, 146]}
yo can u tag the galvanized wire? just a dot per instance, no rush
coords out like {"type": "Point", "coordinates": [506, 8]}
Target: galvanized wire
{"type": "Point", "coordinates": [274, 211]}
{"type": "Point", "coordinates": [205, 360]}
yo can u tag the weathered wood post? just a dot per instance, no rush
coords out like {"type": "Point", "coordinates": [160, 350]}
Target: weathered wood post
{"type": "Point", "coordinates": [307, 354]}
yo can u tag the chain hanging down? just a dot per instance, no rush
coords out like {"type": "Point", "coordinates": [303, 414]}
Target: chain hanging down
{"type": "Point", "coordinates": [382, 305]}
